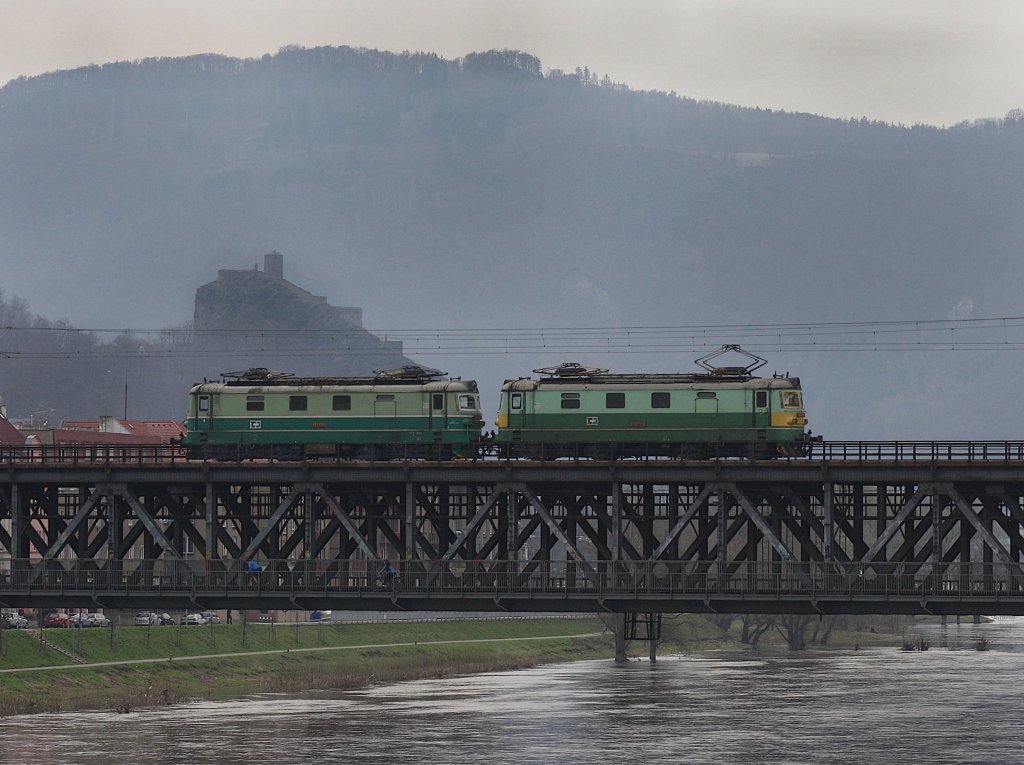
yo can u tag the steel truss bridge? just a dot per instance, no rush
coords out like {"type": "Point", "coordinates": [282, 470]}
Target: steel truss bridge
{"type": "Point", "coordinates": [854, 528]}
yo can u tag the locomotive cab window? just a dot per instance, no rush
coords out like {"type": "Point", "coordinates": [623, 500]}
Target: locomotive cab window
{"type": "Point", "coordinates": [341, 403]}
{"type": "Point", "coordinates": [761, 399]}
{"type": "Point", "coordinates": [570, 401]}
{"type": "Point", "coordinates": [792, 399]}
{"type": "Point", "coordinates": [254, 403]}
{"type": "Point", "coordinates": [661, 400]}
{"type": "Point", "coordinates": [615, 400]}
{"type": "Point", "coordinates": [297, 403]}
{"type": "Point", "coordinates": [438, 401]}
{"type": "Point", "coordinates": [517, 400]}
{"type": "Point", "coordinates": [467, 403]}
{"type": "Point", "coordinates": [204, 403]}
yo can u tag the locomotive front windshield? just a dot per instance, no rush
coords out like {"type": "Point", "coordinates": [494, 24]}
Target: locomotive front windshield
{"type": "Point", "coordinates": [467, 403]}
{"type": "Point", "coordinates": [792, 399]}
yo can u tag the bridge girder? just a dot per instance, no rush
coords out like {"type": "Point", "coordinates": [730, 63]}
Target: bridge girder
{"type": "Point", "coordinates": [598, 536]}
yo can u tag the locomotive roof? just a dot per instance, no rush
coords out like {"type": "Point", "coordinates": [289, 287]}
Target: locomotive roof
{"type": "Point", "coordinates": [333, 385]}
{"type": "Point", "coordinates": [741, 382]}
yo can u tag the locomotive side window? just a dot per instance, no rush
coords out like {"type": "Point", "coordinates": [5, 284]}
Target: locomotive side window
{"type": "Point", "coordinates": [342, 403]}
{"type": "Point", "coordinates": [706, 394]}
{"type": "Point", "coordinates": [204, 403]}
{"type": "Point", "coordinates": [517, 400]}
{"type": "Point", "coordinates": [661, 400]}
{"type": "Point", "coordinates": [438, 402]}
{"type": "Point", "coordinates": [467, 403]}
{"type": "Point", "coordinates": [615, 400]}
{"type": "Point", "coordinates": [296, 403]}
{"type": "Point", "coordinates": [254, 403]}
{"type": "Point", "coordinates": [761, 399]}
{"type": "Point", "coordinates": [570, 401]}
{"type": "Point", "coordinates": [792, 400]}
{"type": "Point", "coordinates": [385, 396]}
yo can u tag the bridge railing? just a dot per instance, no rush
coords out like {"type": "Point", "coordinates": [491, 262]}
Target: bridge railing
{"type": "Point", "coordinates": [418, 578]}
{"type": "Point", "coordinates": [72, 455]}
{"type": "Point", "coordinates": [828, 451]}
{"type": "Point", "coordinates": [917, 451]}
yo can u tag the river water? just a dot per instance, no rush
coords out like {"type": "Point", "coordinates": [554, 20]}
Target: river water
{"type": "Point", "coordinates": [950, 704]}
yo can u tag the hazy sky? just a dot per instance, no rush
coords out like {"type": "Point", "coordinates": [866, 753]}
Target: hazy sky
{"type": "Point", "coordinates": [935, 61]}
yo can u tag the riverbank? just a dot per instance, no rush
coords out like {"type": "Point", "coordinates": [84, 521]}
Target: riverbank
{"type": "Point", "coordinates": [137, 667]}
{"type": "Point", "coordinates": [130, 668]}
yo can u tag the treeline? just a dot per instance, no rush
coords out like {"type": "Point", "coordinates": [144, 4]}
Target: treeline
{"type": "Point", "coordinates": [49, 370]}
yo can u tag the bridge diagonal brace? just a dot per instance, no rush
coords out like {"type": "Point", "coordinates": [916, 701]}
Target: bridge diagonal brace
{"type": "Point", "coordinates": [773, 539]}
{"type": "Point", "coordinates": [762, 525]}
{"type": "Point", "coordinates": [83, 513]}
{"type": "Point", "coordinates": [272, 521]}
{"type": "Point", "coordinates": [148, 521]}
{"type": "Point", "coordinates": [556, 529]}
{"type": "Point", "coordinates": [807, 515]}
{"type": "Point", "coordinates": [983, 531]}
{"type": "Point", "coordinates": [474, 522]}
{"type": "Point", "coordinates": [346, 521]}
{"type": "Point", "coordinates": [686, 517]}
{"type": "Point", "coordinates": [896, 523]}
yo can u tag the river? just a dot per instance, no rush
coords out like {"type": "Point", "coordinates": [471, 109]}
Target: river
{"type": "Point", "coordinates": [950, 704]}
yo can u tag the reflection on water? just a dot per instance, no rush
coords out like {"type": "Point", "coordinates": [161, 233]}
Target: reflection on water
{"type": "Point", "coordinates": [872, 706]}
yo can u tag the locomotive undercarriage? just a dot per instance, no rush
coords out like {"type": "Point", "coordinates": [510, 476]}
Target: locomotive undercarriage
{"type": "Point", "coordinates": [487, 449]}
{"type": "Point", "coordinates": [684, 451]}
{"type": "Point", "coordinates": [326, 452]}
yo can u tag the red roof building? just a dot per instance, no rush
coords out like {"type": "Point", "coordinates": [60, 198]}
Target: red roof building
{"type": "Point", "coordinates": [10, 435]}
{"type": "Point", "coordinates": [110, 430]}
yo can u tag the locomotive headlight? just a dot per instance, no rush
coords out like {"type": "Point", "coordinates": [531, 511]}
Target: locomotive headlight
{"type": "Point", "coordinates": [502, 421]}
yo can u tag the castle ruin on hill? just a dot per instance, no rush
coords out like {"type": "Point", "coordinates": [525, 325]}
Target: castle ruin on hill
{"type": "Point", "coordinates": [261, 316]}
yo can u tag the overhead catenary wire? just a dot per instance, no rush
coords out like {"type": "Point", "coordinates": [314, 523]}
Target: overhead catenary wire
{"type": "Point", "coordinates": [945, 335]}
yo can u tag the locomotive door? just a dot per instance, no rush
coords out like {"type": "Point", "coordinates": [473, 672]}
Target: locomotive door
{"type": "Point", "coordinates": [516, 410]}
{"type": "Point", "coordinates": [437, 412]}
{"type": "Point", "coordinates": [204, 411]}
{"type": "Point", "coordinates": [762, 416]}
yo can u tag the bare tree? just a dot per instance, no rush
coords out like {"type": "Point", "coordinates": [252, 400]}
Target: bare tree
{"type": "Point", "coordinates": [754, 627]}
{"type": "Point", "coordinates": [793, 628]}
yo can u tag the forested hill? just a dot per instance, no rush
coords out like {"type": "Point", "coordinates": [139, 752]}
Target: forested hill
{"type": "Point", "coordinates": [487, 191]}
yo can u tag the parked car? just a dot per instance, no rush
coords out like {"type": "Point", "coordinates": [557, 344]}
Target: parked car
{"type": "Point", "coordinates": [210, 617]}
{"type": "Point", "coordinates": [53, 619]}
{"type": "Point", "coordinates": [146, 619]}
{"type": "Point", "coordinates": [13, 622]}
{"type": "Point", "coordinates": [193, 619]}
{"type": "Point", "coordinates": [95, 620]}
{"type": "Point", "coordinates": [165, 619]}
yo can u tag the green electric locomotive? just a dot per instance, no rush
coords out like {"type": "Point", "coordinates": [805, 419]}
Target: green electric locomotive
{"type": "Point", "coordinates": [401, 413]}
{"type": "Point", "coordinates": [574, 411]}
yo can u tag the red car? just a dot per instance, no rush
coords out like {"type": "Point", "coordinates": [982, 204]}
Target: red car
{"type": "Point", "coordinates": [56, 620]}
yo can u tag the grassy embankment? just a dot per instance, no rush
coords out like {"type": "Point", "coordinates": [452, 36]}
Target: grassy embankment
{"type": "Point", "coordinates": [306, 657]}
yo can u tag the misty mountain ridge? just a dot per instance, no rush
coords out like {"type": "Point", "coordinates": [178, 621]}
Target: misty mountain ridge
{"type": "Point", "coordinates": [484, 191]}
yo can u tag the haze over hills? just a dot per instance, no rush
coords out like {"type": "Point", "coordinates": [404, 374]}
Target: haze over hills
{"type": "Point", "coordinates": [485, 192]}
